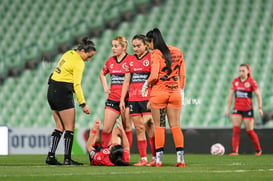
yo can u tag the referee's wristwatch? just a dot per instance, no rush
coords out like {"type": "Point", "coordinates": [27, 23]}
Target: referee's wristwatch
{"type": "Point", "coordinates": [82, 105]}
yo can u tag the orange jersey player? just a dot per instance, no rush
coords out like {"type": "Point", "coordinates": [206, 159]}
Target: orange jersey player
{"type": "Point", "coordinates": [167, 80]}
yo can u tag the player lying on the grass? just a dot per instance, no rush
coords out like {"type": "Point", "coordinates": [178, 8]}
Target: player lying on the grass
{"type": "Point", "coordinates": [117, 154]}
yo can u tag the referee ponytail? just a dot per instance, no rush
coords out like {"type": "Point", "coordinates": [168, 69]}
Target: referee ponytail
{"type": "Point", "coordinates": [160, 44]}
{"type": "Point", "coordinates": [87, 45]}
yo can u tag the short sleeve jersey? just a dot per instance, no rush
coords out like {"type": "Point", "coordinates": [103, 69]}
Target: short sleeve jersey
{"type": "Point", "coordinates": [117, 71]}
{"type": "Point", "coordinates": [243, 93]}
{"type": "Point", "coordinates": [140, 69]}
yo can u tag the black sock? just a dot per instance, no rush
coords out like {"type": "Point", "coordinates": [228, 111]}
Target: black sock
{"type": "Point", "coordinates": [54, 141]}
{"type": "Point", "coordinates": [68, 142]}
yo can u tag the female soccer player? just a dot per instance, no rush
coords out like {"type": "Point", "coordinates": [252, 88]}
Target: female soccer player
{"type": "Point", "coordinates": [167, 65]}
{"type": "Point", "coordinates": [137, 74]}
{"type": "Point", "coordinates": [117, 154]}
{"type": "Point", "coordinates": [242, 87]}
{"type": "Point", "coordinates": [65, 80]}
{"type": "Point", "coordinates": [116, 66]}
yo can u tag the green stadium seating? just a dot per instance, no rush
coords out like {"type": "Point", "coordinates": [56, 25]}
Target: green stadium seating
{"type": "Point", "coordinates": [215, 37]}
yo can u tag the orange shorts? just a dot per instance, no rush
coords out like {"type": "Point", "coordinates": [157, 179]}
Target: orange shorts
{"type": "Point", "coordinates": [162, 99]}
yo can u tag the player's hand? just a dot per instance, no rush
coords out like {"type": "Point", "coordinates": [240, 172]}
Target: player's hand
{"type": "Point", "coordinates": [261, 113]}
{"type": "Point", "coordinates": [148, 106]}
{"type": "Point", "coordinates": [97, 124]}
{"type": "Point", "coordinates": [119, 123]}
{"type": "Point", "coordinates": [86, 109]}
{"type": "Point", "coordinates": [107, 91]}
{"type": "Point", "coordinates": [182, 95]}
{"type": "Point", "coordinates": [122, 106]}
{"type": "Point", "coordinates": [145, 89]}
{"type": "Point", "coordinates": [228, 113]}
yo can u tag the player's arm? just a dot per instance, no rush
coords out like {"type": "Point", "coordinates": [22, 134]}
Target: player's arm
{"type": "Point", "coordinates": [125, 87]}
{"type": "Point", "coordinates": [77, 78]}
{"type": "Point", "coordinates": [155, 59]}
{"type": "Point", "coordinates": [93, 136]}
{"type": "Point", "coordinates": [124, 139]}
{"type": "Point", "coordinates": [104, 82]}
{"type": "Point", "coordinates": [259, 100]}
{"type": "Point", "coordinates": [182, 74]}
{"type": "Point", "coordinates": [229, 101]}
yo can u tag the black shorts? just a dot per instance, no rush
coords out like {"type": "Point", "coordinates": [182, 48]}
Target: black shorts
{"type": "Point", "coordinates": [60, 95]}
{"type": "Point", "coordinates": [138, 108]}
{"type": "Point", "coordinates": [114, 105]}
{"type": "Point", "coordinates": [245, 114]}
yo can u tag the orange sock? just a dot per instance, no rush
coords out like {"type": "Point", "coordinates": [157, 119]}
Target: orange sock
{"type": "Point", "coordinates": [159, 137]}
{"type": "Point", "coordinates": [178, 137]}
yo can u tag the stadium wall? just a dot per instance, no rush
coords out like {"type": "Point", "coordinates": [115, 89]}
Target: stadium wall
{"type": "Point", "coordinates": [199, 141]}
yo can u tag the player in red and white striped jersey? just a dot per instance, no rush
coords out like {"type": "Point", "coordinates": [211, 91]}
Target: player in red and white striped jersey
{"type": "Point", "coordinates": [136, 75]}
{"type": "Point", "coordinates": [242, 87]}
{"type": "Point", "coordinates": [116, 66]}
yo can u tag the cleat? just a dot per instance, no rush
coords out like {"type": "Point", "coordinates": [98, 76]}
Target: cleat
{"type": "Point", "coordinates": [258, 153]}
{"type": "Point", "coordinates": [180, 164]}
{"type": "Point", "coordinates": [234, 154]}
{"type": "Point", "coordinates": [51, 160]}
{"type": "Point", "coordinates": [152, 163]}
{"type": "Point", "coordinates": [71, 162]}
{"type": "Point", "coordinates": [159, 164]}
{"type": "Point", "coordinates": [141, 163]}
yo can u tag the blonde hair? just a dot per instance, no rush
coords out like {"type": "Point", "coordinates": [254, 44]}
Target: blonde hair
{"type": "Point", "coordinates": [122, 40]}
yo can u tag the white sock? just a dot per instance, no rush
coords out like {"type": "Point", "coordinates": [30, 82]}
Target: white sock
{"type": "Point", "coordinates": [159, 156]}
{"type": "Point", "coordinates": [144, 158]}
{"type": "Point", "coordinates": [180, 156]}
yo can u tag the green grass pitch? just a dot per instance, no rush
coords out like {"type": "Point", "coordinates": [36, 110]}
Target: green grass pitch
{"type": "Point", "coordinates": [198, 167]}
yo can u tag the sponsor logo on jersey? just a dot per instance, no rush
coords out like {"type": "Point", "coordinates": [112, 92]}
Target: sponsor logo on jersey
{"type": "Point", "coordinates": [247, 84]}
{"type": "Point", "coordinates": [241, 94]}
{"type": "Point", "coordinates": [131, 64]}
{"type": "Point", "coordinates": [146, 63]}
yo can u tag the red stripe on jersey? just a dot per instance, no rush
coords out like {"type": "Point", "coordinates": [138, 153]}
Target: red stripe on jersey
{"type": "Point", "coordinates": [140, 70]}
{"type": "Point", "coordinates": [243, 91]}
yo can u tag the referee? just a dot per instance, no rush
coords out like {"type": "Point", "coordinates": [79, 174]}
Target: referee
{"type": "Point", "coordinates": [65, 80]}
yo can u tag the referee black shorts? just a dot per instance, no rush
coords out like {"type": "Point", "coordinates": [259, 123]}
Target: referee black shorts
{"type": "Point", "coordinates": [60, 95]}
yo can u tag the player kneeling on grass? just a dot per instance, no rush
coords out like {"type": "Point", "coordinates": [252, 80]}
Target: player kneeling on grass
{"type": "Point", "coordinates": [117, 154]}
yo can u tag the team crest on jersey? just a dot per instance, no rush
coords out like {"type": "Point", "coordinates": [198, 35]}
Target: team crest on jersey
{"type": "Point", "coordinates": [124, 66]}
{"type": "Point", "coordinates": [146, 63]}
{"type": "Point", "coordinates": [247, 84]}
{"type": "Point", "coordinates": [111, 66]}
{"type": "Point", "coordinates": [106, 151]}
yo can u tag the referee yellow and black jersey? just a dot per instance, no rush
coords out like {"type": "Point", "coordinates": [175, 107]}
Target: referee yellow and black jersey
{"type": "Point", "coordinates": [70, 69]}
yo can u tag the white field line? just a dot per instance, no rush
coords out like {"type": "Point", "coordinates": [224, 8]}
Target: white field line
{"type": "Point", "coordinates": [134, 173]}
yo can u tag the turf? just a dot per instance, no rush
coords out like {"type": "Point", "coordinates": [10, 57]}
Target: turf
{"type": "Point", "coordinates": [198, 167]}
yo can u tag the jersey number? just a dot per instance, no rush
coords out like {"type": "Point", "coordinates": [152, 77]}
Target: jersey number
{"type": "Point", "coordinates": [166, 77]}
{"type": "Point", "coordinates": [58, 69]}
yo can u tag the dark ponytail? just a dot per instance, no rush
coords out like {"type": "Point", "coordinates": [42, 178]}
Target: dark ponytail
{"type": "Point", "coordinates": [87, 45]}
{"type": "Point", "coordinates": [160, 44]}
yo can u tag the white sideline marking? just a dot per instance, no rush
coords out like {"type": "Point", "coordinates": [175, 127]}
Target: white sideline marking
{"type": "Point", "coordinates": [135, 172]}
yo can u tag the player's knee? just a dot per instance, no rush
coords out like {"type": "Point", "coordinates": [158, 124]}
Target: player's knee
{"type": "Point", "coordinates": [140, 129]}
